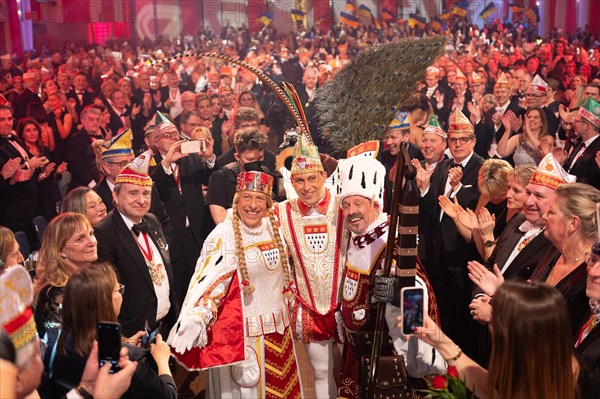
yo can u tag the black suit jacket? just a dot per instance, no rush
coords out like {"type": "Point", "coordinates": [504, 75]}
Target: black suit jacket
{"type": "Point", "coordinates": [189, 202]}
{"type": "Point", "coordinates": [525, 262]}
{"type": "Point", "coordinates": [156, 207]}
{"type": "Point", "coordinates": [588, 354]}
{"type": "Point", "coordinates": [448, 239]}
{"type": "Point", "coordinates": [444, 112]}
{"type": "Point", "coordinates": [88, 98]}
{"type": "Point", "coordinates": [19, 200]}
{"type": "Point", "coordinates": [23, 100]}
{"type": "Point", "coordinates": [486, 135]}
{"type": "Point", "coordinates": [81, 160]}
{"type": "Point", "coordinates": [585, 167]}
{"type": "Point", "coordinates": [117, 245]}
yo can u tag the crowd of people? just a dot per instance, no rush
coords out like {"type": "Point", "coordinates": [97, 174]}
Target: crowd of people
{"type": "Point", "coordinates": [155, 191]}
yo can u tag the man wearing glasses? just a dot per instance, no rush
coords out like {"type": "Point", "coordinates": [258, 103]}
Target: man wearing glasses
{"type": "Point", "coordinates": [457, 179]}
{"type": "Point", "coordinates": [536, 96]}
{"type": "Point", "coordinates": [113, 156]}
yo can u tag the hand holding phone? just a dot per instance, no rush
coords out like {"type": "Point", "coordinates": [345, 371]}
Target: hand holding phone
{"type": "Point", "coordinates": [413, 303]}
{"type": "Point", "coordinates": [109, 344]}
{"type": "Point", "coordinates": [150, 337]}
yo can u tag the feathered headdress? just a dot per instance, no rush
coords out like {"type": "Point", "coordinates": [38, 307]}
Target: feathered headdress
{"type": "Point", "coordinates": [358, 104]}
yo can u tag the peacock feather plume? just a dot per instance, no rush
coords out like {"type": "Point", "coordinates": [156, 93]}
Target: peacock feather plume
{"type": "Point", "coordinates": [360, 101]}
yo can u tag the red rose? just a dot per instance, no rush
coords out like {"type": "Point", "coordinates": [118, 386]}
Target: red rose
{"type": "Point", "coordinates": [452, 372]}
{"type": "Point", "coordinates": [439, 382]}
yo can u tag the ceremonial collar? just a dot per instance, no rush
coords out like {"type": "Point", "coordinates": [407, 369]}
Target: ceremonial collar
{"type": "Point", "coordinates": [375, 230]}
{"type": "Point", "coordinates": [321, 207]}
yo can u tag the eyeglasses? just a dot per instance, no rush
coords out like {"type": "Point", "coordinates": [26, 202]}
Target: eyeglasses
{"type": "Point", "coordinates": [168, 135]}
{"type": "Point", "coordinates": [121, 289]}
{"type": "Point", "coordinates": [121, 164]}
{"type": "Point", "coordinates": [462, 140]}
{"type": "Point", "coordinates": [535, 95]}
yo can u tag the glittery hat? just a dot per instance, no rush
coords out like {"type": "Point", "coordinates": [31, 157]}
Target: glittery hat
{"type": "Point", "coordinates": [590, 110]}
{"type": "Point", "coordinates": [400, 121]}
{"type": "Point", "coordinates": [538, 84]}
{"type": "Point", "coordinates": [460, 75]}
{"type": "Point", "coordinates": [16, 313]}
{"type": "Point", "coordinates": [476, 78]}
{"type": "Point", "coordinates": [306, 157]}
{"type": "Point", "coordinates": [434, 127]}
{"type": "Point", "coordinates": [550, 173]}
{"type": "Point", "coordinates": [119, 145]}
{"type": "Point", "coordinates": [255, 181]}
{"type": "Point", "coordinates": [136, 172]}
{"type": "Point", "coordinates": [502, 82]}
{"type": "Point", "coordinates": [459, 123]}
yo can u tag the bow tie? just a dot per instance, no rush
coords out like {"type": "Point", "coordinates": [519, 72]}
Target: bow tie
{"type": "Point", "coordinates": [455, 165]}
{"type": "Point", "coordinates": [141, 227]}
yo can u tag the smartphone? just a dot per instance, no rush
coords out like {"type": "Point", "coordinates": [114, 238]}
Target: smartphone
{"type": "Point", "coordinates": [109, 344]}
{"type": "Point", "coordinates": [150, 338]}
{"type": "Point", "coordinates": [412, 306]}
{"type": "Point", "coordinates": [190, 147]}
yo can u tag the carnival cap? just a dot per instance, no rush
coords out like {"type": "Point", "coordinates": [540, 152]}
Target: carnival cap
{"type": "Point", "coordinates": [259, 182]}
{"type": "Point", "coordinates": [162, 125]}
{"type": "Point", "coordinates": [400, 121]}
{"type": "Point", "coordinates": [433, 126]}
{"type": "Point", "coordinates": [550, 173]}
{"type": "Point", "coordinates": [502, 82]}
{"type": "Point", "coordinates": [16, 313]}
{"type": "Point", "coordinates": [136, 172]}
{"type": "Point", "coordinates": [459, 123]}
{"type": "Point", "coordinates": [590, 110]}
{"type": "Point", "coordinates": [306, 157]}
{"type": "Point", "coordinates": [538, 84]}
{"type": "Point", "coordinates": [119, 145]}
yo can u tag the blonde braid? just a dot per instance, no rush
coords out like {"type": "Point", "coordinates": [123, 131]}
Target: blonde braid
{"type": "Point", "coordinates": [239, 249]}
{"type": "Point", "coordinates": [282, 256]}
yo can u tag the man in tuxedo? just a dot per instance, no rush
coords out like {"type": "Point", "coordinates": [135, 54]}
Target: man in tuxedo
{"type": "Point", "coordinates": [490, 131]}
{"type": "Point", "coordinates": [19, 179]}
{"type": "Point", "coordinates": [114, 155]}
{"type": "Point", "coordinates": [537, 96]}
{"type": "Point", "coordinates": [582, 160]}
{"type": "Point", "coordinates": [79, 93]}
{"type": "Point", "coordinates": [31, 83]}
{"type": "Point", "coordinates": [82, 160]}
{"type": "Point", "coordinates": [179, 178]}
{"type": "Point", "coordinates": [440, 97]}
{"type": "Point", "coordinates": [457, 179]}
{"type": "Point", "coordinates": [433, 147]}
{"type": "Point", "coordinates": [132, 240]}
{"type": "Point", "coordinates": [170, 95]}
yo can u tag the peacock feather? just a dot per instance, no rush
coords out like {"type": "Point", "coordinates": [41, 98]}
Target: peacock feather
{"type": "Point", "coordinates": [360, 101]}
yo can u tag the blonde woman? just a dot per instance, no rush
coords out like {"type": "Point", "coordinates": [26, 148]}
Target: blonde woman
{"type": "Point", "coordinates": [524, 145]}
{"type": "Point", "coordinates": [235, 320]}
{"type": "Point", "coordinates": [69, 244]}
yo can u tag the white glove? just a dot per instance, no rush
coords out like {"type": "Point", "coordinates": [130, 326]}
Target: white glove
{"type": "Point", "coordinates": [189, 332]}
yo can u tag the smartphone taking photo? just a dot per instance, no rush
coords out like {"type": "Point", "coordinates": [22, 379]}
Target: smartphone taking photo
{"type": "Point", "coordinates": [412, 306]}
{"type": "Point", "coordinates": [109, 344]}
{"type": "Point", "coordinates": [190, 147]}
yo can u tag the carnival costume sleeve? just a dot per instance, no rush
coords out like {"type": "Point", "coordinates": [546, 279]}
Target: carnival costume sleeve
{"type": "Point", "coordinates": [214, 272]}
